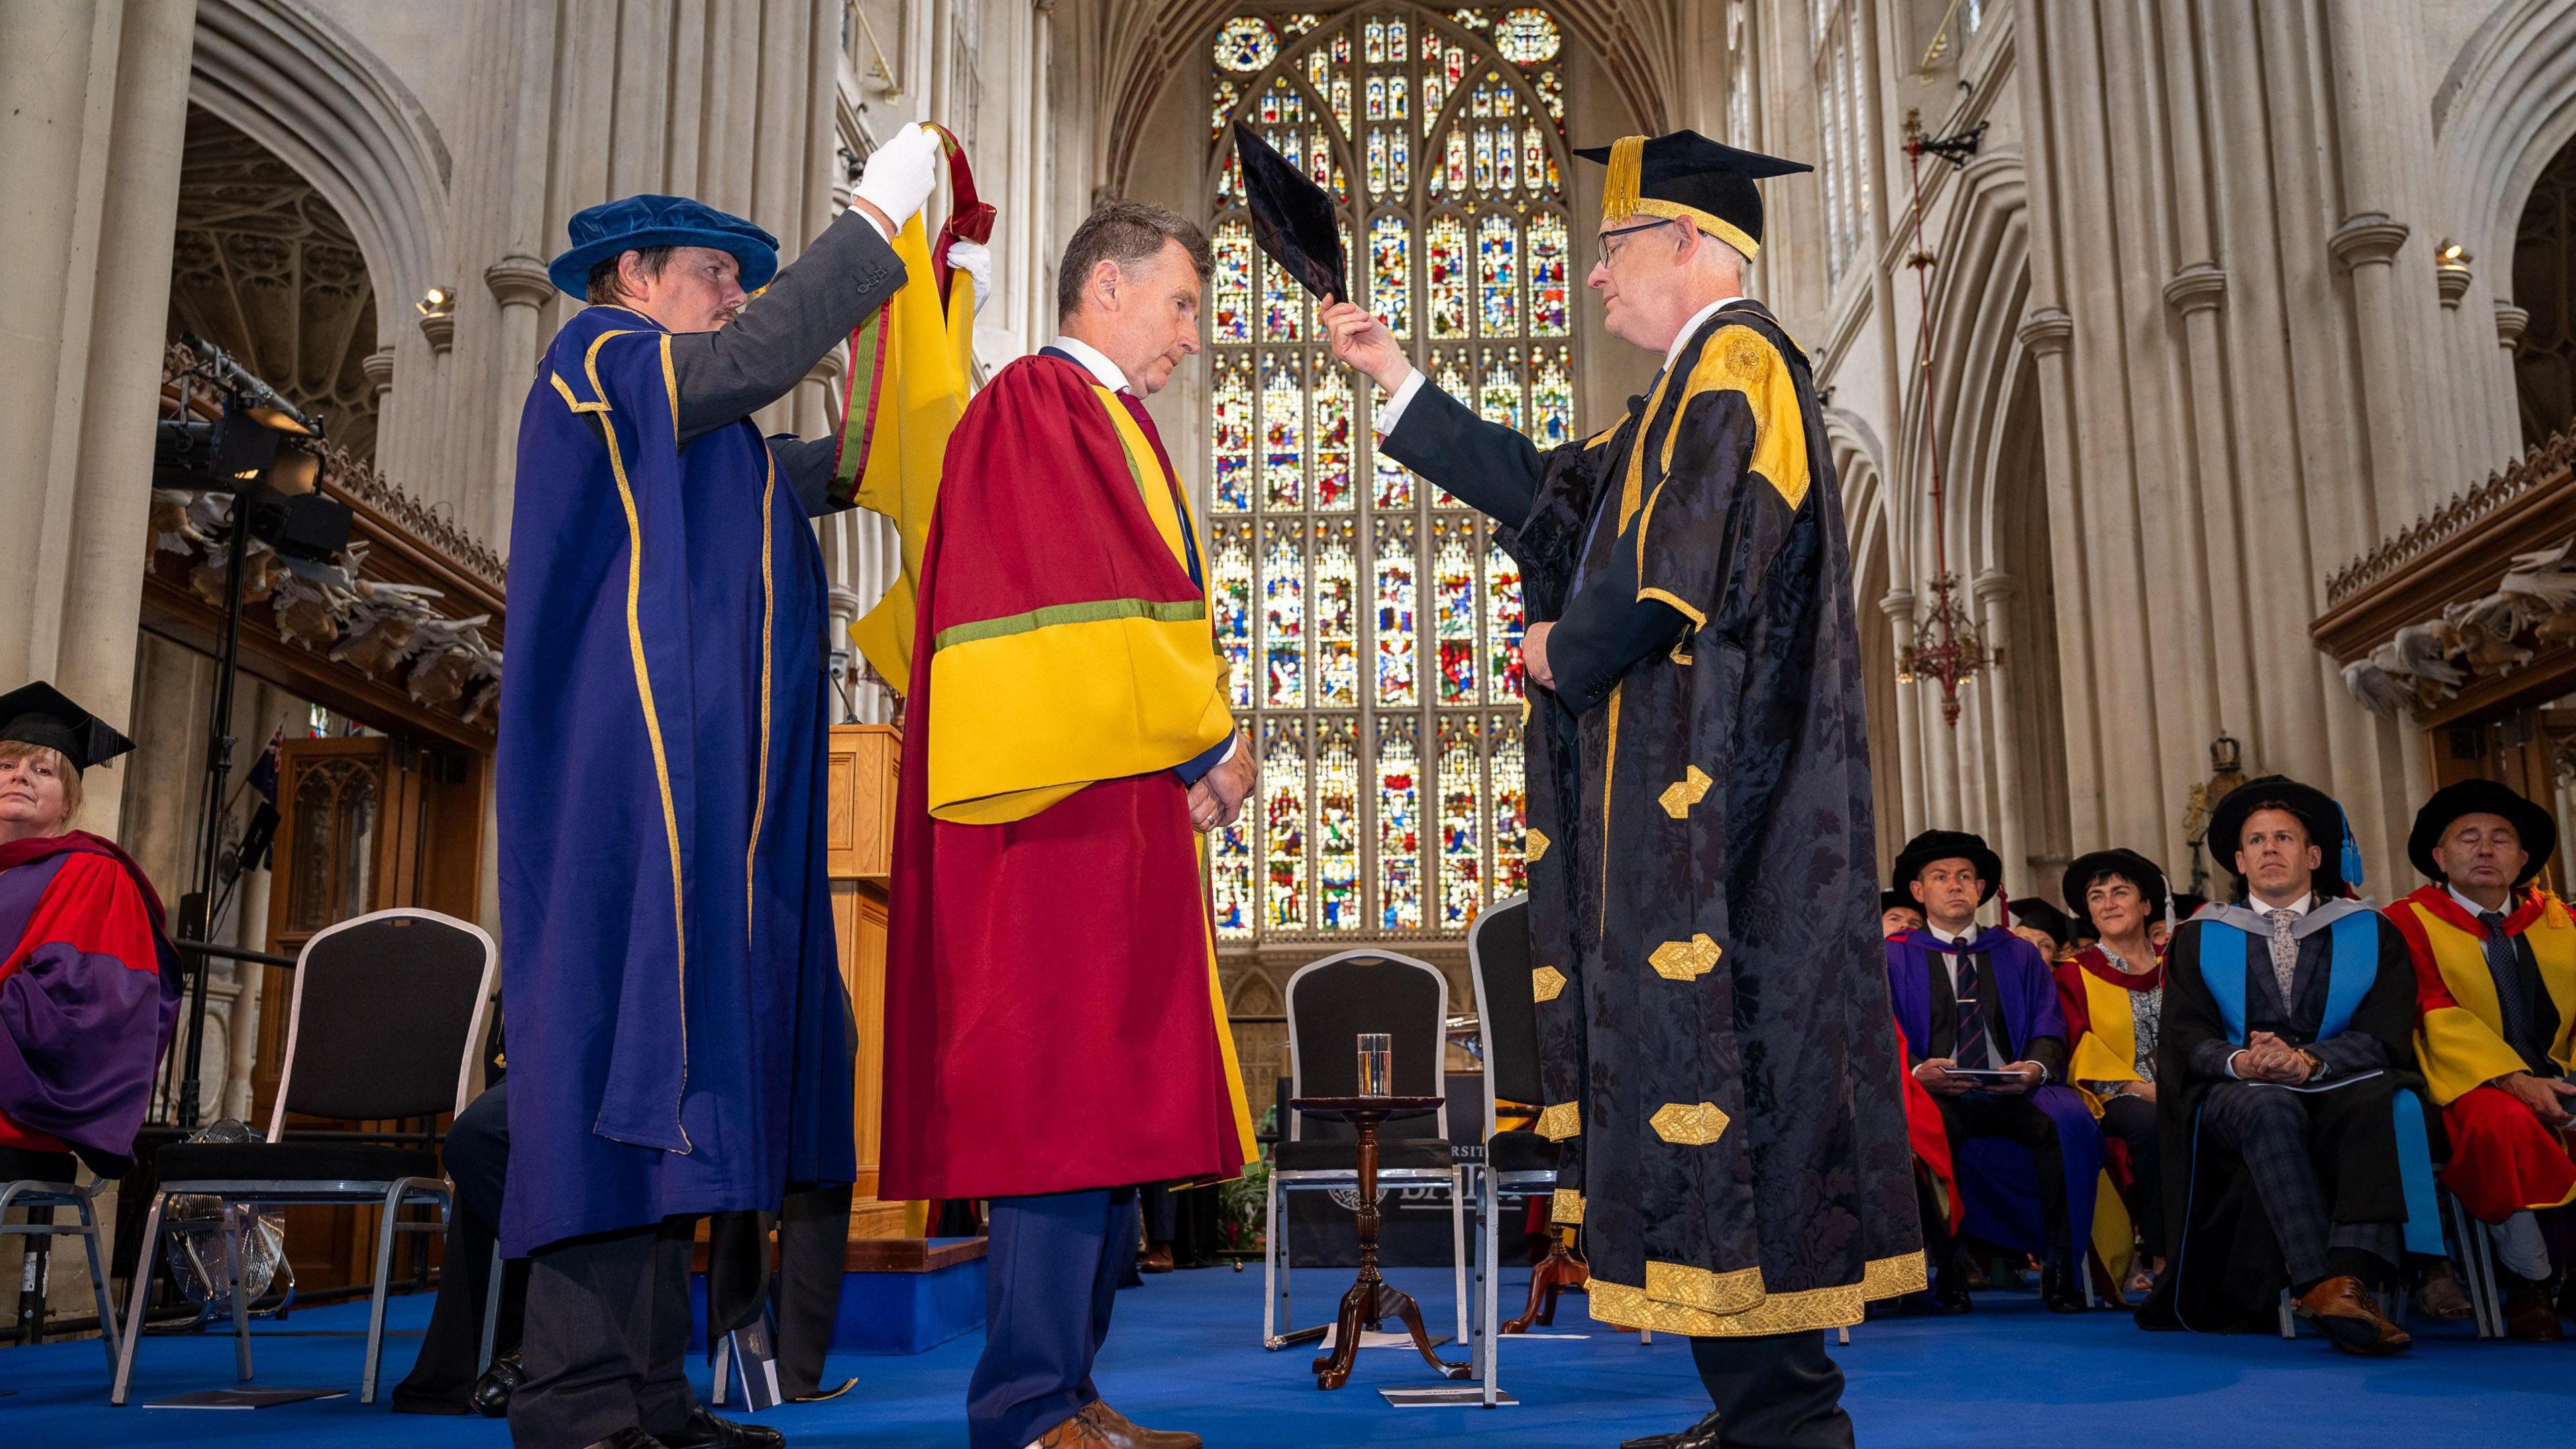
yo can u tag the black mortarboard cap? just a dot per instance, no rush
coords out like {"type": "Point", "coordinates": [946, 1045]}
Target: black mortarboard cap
{"type": "Point", "coordinates": [1935, 845]}
{"type": "Point", "coordinates": [2039, 915]}
{"type": "Point", "coordinates": [1293, 219]}
{"type": "Point", "coordinates": [1685, 176]}
{"type": "Point", "coordinates": [39, 714]}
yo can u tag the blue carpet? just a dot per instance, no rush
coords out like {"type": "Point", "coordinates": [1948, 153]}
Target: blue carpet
{"type": "Point", "coordinates": [1186, 1354]}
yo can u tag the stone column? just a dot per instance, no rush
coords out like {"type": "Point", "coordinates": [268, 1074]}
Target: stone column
{"type": "Point", "coordinates": [518, 284]}
{"type": "Point", "coordinates": [1995, 589]}
{"type": "Point", "coordinates": [2510, 323]}
{"type": "Point", "coordinates": [96, 105]}
{"type": "Point", "coordinates": [1898, 606]}
{"type": "Point", "coordinates": [2049, 332]}
{"type": "Point", "coordinates": [2197, 294]}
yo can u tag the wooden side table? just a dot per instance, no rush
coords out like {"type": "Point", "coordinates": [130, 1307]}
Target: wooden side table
{"type": "Point", "coordinates": [1371, 1300]}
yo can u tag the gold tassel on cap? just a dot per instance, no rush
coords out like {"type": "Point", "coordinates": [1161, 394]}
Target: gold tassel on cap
{"type": "Point", "coordinates": [1621, 193]}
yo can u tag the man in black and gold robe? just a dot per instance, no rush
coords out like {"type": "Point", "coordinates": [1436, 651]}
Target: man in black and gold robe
{"type": "Point", "coordinates": [1703, 913]}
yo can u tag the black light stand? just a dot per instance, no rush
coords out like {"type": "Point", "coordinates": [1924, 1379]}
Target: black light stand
{"type": "Point", "coordinates": [236, 454]}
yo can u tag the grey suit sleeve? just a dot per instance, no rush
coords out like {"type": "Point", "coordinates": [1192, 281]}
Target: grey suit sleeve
{"type": "Point", "coordinates": [809, 307]}
{"type": "Point", "coordinates": [806, 464]}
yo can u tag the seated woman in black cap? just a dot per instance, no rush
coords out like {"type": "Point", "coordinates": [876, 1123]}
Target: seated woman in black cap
{"type": "Point", "coordinates": [2112, 993]}
{"type": "Point", "coordinates": [89, 987]}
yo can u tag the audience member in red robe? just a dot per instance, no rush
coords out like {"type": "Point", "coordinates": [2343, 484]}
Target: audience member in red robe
{"type": "Point", "coordinates": [2111, 992]}
{"type": "Point", "coordinates": [2495, 983]}
{"type": "Point", "coordinates": [89, 988]}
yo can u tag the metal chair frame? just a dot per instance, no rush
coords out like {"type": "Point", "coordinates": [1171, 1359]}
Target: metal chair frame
{"type": "Point", "coordinates": [34, 1193]}
{"type": "Point", "coordinates": [242, 1198]}
{"type": "Point", "coordinates": [2477, 1261]}
{"type": "Point", "coordinates": [1492, 1187]}
{"type": "Point", "coordinates": [1275, 1266]}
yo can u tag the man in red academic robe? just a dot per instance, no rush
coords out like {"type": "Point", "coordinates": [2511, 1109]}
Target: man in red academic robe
{"type": "Point", "coordinates": [1054, 1035]}
{"type": "Point", "coordinates": [2495, 975]}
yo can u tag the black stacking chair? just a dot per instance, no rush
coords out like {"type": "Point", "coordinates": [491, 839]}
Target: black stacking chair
{"type": "Point", "coordinates": [387, 1011]}
{"type": "Point", "coordinates": [1519, 1163]}
{"type": "Point", "coordinates": [47, 1185]}
{"type": "Point", "coordinates": [1330, 1002]}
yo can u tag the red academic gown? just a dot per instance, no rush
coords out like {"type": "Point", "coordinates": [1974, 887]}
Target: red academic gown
{"type": "Point", "coordinates": [89, 992]}
{"type": "Point", "coordinates": [2503, 1157]}
{"type": "Point", "coordinates": [1052, 1018]}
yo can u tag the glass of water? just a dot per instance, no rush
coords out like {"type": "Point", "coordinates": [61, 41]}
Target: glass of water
{"type": "Point", "coordinates": [1377, 1064]}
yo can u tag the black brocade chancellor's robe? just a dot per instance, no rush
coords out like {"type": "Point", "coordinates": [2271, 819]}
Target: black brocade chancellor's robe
{"type": "Point", "coordinates": [1720, 1064]}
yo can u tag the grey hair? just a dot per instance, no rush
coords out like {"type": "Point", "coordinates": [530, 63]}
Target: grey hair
{"type": "Point", "coordinates": [1126, 232]}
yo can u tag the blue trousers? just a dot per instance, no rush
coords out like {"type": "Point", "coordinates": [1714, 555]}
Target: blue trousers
{"type": "Point", "coordinates": [1051, 1278]}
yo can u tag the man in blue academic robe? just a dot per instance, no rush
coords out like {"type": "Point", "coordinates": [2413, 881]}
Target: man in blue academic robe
{"type": "Point", "coordinates": [679, 1037]}
{"type": "Point", "coordinates": [1970, 1000]}
{"type": "Point", "coordinates": [2296, 1139]}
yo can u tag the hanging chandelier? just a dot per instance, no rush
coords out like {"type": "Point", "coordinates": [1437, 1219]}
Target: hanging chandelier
{"type": "Point", "coordinates": [1946, 646]}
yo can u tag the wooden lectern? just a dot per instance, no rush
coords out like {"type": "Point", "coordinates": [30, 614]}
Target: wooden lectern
{"type": "Point", "coordinates": [859, 834]}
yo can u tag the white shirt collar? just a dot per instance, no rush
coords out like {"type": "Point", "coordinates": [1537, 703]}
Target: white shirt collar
{"type": "Point", "coordinates": [1947, 939]}
{"type": "Point", "coordinates": [1691, 328]}
{"type": "Point", "coordinates": [2298, 907]}
{"type": "Point", "coordinates": [2472, 907]}
{"type": "Point", "coordinates": [1093, 360]}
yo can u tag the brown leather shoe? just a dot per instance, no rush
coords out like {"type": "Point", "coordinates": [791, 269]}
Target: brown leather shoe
{"type": "Point", "coordinates": [2344, 1309]}
{"type": "Point", "coordinates": [1116, 1432]}
{"type": "Point", "coordinates": [1157, 1259]}
{"type": "Point", "coordinates": [2529, 1316]}
{"type": "Point", "coordinates": [1078, 1432]}
{"type": "Point", "coordinates": [2442, 1296]}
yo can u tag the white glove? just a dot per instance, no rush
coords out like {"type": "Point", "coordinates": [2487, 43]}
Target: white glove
{"type": "Point", "coordinates": [976, 261]}
{"type": "Point", "coordinates": [901, 173]}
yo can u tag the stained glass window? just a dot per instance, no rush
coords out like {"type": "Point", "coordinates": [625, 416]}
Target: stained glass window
{"type": "Point", "coordinates": [1446, 248]}
{"type": "Point", "coordinates": [1337, 826]}
{"type": "Point", "coordinates": [1230, 582]}
{"type": "Point", "coordinates": [1245, 43]}
{"type": "Point", "coordinates": [1462, 821]}
{"type": "Point", "coordinates": [1525, 36]}
{"type": "Point", "coordinates": [1283, 615]}
{"type": "Point", "coordinates": [1547, 275]}
{"type": "Point", "coordinates": [1284, 875]}
{"type": "Point", "coordinates": [1373, 625]}
{"type": "Point", "coordinates": [1399, 825]}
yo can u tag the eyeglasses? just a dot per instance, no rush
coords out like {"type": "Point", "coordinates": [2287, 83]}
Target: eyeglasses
{"type": "Point", "coordinates": [1610, 240]}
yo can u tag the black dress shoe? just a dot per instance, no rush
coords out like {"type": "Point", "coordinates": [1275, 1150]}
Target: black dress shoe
{"type": "Point", "coordinates": [2059, 1290]}
{"type": "Point", "coordinates": [705, 1431]}
{"type": "Point", "coordinates": [491, 1395]}
{"type": "Point", "coordinates": [628, 1438]}
{"type": "Point", "coordinates": [1702, 1435]}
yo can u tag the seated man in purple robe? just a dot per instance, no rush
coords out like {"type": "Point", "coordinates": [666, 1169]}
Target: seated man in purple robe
{"type": "Point", "coordinates": [1979, 1012]}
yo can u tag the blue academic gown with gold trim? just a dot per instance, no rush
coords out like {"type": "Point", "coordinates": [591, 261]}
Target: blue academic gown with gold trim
{"type": "Point", "coordinates": [679, 1033]}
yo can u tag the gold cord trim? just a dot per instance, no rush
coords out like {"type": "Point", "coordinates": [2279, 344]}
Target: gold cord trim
{"type": "Point", "coordinates": [652, 715]}
{"type": "Point", "coordinates": [1688, 1287]}
{"type": "Point", "coordinates": [1559, 1122]}
{"type": "Point", "coordinates": [1622, 1306]}
{"type": "Point", "coordinates": [1622, 194]}
{"type": "Point", "coordinates": [768, 616]}
{"type": "Point", "coordinates": [1546, 984]}
{"type": "Point", "coordinates": [1565, 1207]}
{"type": "Point", "coordinates": [1707, 221]}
